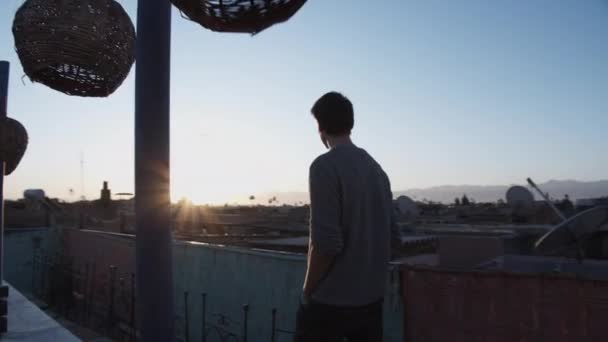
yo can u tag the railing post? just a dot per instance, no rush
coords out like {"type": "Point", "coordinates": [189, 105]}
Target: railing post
{"type": "Point", "coordinates": [245, 317]}
{"type": "Point", "coordinates": [4, 72]}
{"type": "Point", "coordinates": [34, 262]}
{"type": "Point", "coordinates": [186, 322]}
{"type": "Point", "coordinates": [85, 292]}
{"type": "Point", "coordinates": [92, 288]}
{"type": "Point", "coordinates": [133, 328]}
{"type": "Point", "coordinates": [110, 318]}
{"type": "Point", "coordinates": [274, 325]}
{"type": "Point", "coordinates": [44, 283]}
{"type": "Point", "coordinates": [204, 317]}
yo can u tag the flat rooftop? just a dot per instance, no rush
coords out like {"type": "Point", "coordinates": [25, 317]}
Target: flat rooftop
{"type": "Point", "coordinates": [587, 269]}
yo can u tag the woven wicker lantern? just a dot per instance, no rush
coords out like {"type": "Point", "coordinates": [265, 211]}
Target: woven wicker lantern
{"type": "Point", "coordinates": [13, 142]}
{"type": "Point", "coordinates": [241, 16]}
{"type": "Point", "coordinates": [78, 47]}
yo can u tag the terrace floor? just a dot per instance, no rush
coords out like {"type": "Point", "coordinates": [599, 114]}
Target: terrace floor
{"type": "Point", "coordinates": [26, 322]}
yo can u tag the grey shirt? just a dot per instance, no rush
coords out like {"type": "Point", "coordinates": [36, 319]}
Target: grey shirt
{"type": "Point", "coordinates": [351, 218]}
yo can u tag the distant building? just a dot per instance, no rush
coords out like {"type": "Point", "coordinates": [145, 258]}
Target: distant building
{"type": "Point", "coordinates": [106, 195]}
{"type": "Point", "coordinates": [587, 203]}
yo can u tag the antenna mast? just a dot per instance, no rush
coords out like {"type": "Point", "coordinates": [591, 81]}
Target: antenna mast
{"type": "Point", "coordinates": [82, 195]}
{"type": "Point", "coordinates": [547, 199]}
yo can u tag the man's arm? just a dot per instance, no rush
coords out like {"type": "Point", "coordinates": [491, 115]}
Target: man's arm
{"type": "Point", "coordinates": [325, 229]}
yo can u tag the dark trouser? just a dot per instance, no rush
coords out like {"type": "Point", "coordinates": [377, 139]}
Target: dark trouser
{"type": "Point", "coordinates": [318, 322]}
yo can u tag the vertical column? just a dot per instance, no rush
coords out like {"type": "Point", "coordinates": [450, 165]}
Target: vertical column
{"type": "Point", "coordinates": [154, 272]}
{"type": "Point", "coordinates": [4, 70]}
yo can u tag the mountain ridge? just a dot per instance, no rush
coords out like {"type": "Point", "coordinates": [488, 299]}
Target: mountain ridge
{"type": "Point", "coordinates": [490, 193]}
{"type": "Point", "coordinates": [481, 193]}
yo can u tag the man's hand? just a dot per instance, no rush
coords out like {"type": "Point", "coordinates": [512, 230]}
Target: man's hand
{"type": "Point", "coordinates": [318, 266]}
{"type": "Point", "coordinates": [304, 299]}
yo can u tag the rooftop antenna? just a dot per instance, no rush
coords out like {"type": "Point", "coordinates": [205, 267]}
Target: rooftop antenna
{"type": "Point", "coordinates": [546, 198]}
{"type": "Point", "coordinates": [82, 196]}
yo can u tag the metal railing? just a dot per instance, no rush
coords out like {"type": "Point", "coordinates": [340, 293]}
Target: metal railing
{"type": "Point", "coordinates": [221, 327]}
{"type": "Point", "coordinates": [102, 299]}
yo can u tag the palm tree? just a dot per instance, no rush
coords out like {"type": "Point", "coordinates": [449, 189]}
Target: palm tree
{"type": "Point", "coordinates": [465, 200]}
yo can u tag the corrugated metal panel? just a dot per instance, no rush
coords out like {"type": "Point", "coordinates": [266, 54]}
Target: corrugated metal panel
{"type": "Point", "coordinates": [496, 306]}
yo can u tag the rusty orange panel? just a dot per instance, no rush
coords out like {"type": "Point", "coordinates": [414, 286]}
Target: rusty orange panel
{"type": "Point", "coordinates": [497, 306]}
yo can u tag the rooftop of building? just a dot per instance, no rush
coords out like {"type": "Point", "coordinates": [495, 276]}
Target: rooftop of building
{"type": "Point", "coordinates": [528, 264]}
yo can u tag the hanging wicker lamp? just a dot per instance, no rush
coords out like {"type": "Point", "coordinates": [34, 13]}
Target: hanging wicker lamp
{"type": "Point", "coordinates": [13, 143]}
{"type": "Point", "coordinates": [78, 47]}
{"type": "Point", "coordinates": [240, 16]}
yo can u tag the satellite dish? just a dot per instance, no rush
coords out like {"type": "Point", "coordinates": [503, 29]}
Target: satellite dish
{"type": "Point", "coordinates": [519, 197]}
{"type": "Point", "coordinates": [125, 194]}
{"type": "Point", "coordinates": [406, 207]}
{"type": "Point", "coordinates": [574, 232]}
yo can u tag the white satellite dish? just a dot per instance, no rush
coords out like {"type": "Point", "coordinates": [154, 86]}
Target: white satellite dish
{"type": "Point", "coordinates": [520, 197]}
{"type": "Point", "coordinates": [573, 232]}
{"type": "Point", "coordinates": [407, 207]}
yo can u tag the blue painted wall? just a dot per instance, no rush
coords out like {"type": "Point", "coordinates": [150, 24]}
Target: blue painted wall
{"type": "Point", "coordinates": [232, 277]}
{"type": "Point", "coordinates": [20, 246]}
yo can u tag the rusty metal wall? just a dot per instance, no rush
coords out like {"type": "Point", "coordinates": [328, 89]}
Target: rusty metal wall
{"type": "Point", "coordinates": [496, 306]}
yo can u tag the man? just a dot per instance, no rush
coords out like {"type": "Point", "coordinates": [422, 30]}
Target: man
{"type": "Point", "coordinates": [352, 231]}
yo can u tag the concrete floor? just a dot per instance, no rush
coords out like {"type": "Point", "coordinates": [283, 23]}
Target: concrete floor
{"type": "Point", "coordinates": [83, 334]}
{"type": "Point", "coordinates": [26, 322]}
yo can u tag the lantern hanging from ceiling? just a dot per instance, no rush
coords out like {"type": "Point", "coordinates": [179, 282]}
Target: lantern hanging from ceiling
{"type": "Point", "coordinates": [13, 143]}
{"type": "Point", "coordinates": [239, 16]}
{"type": "Point", "coordinates": [78, 47]}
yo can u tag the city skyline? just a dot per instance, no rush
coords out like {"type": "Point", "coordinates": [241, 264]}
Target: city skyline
{"type": "Point", "coordinates": [473, 93]}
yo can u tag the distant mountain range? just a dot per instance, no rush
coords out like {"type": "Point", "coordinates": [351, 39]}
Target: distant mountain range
{"type": "Point", "coordinates": [480, 193]}
{"type": "Point", "coordinates": [491, 193]}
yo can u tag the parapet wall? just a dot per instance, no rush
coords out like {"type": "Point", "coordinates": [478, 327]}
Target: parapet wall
{"type": "Point", "coordinates": [21, 246]}
{"type": "Point", "coordinates": [229, 277]}
{"type": "Point", "coordinates": [443, 305]}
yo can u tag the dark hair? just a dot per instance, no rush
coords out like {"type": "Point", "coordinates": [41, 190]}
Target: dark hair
{"type": "Point", "coordinates": [334, 113]}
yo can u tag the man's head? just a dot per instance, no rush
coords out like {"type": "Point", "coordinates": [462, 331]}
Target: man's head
{"type": "Point", "coordinates": [334, 114]}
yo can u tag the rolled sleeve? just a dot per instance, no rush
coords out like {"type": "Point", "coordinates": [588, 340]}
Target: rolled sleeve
{"type": "Point", "coordinates": [325, 210]}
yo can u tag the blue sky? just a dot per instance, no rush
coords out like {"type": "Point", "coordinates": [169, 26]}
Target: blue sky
{"type": "Point", "coordinates": [445, 92]}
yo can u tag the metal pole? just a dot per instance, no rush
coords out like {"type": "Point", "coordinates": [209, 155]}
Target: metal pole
{"type": "Point", "coordinates": [204, 318]}
{"type": "Point", "coordinates": [132, 336]}
{"type": "Point", "coordinates": [110, 317]}
{"type": "Point", "coordinates": [547, 199]}
{"type": "Point", "coordinates": [274, 325]}
{"type": "Point", "coordinates": [186, 319]}
{"type": "Point", "coordinates": [152, 202]}
{"type": "Point", "coordinates": [245, 319]}
{"type": "Point", "coordinates": [4, 71]}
